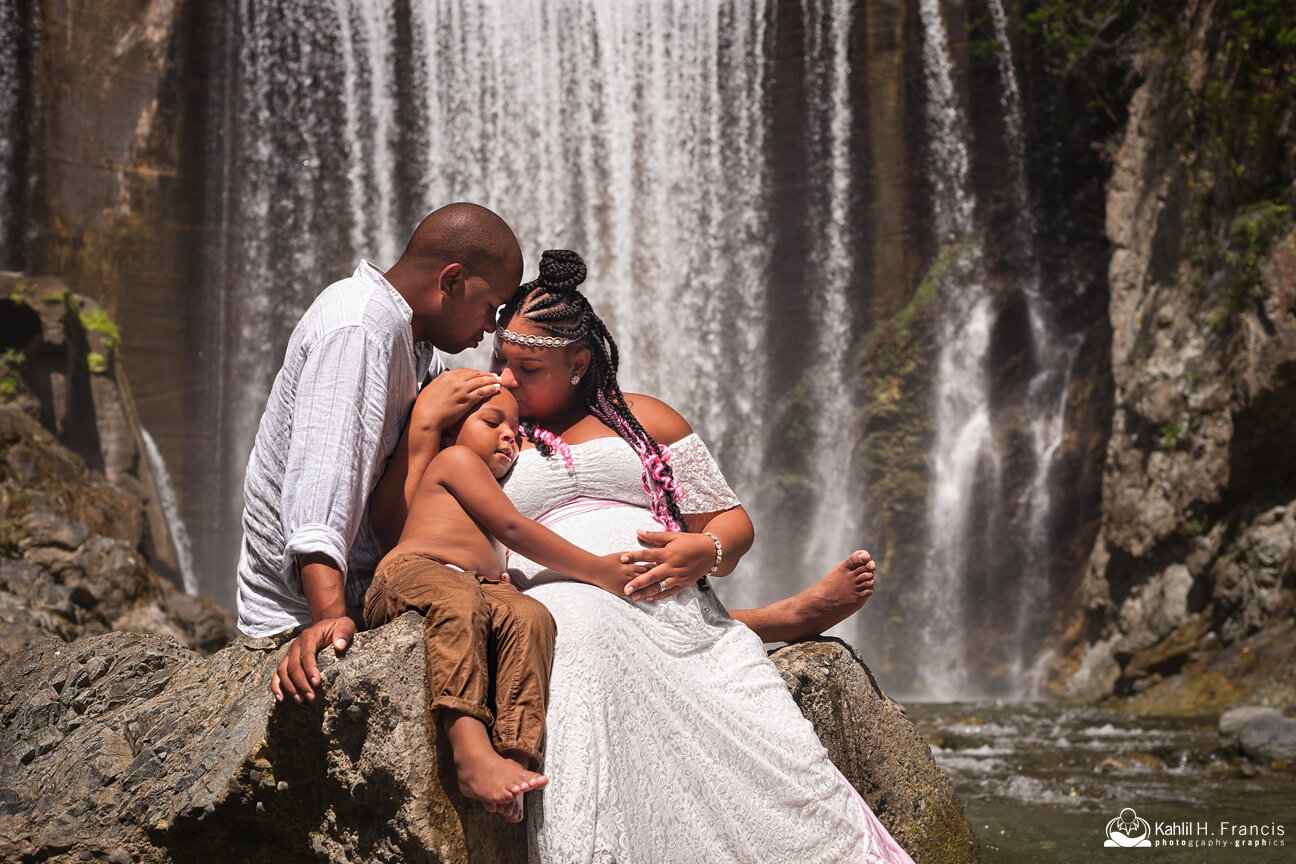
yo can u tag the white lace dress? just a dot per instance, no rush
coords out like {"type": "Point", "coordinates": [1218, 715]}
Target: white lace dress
{"type": "Point", "coordinates": [671, 737]}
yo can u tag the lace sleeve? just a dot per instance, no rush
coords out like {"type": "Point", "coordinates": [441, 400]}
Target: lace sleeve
{"type": "Point", "coordinates": [699, 477]}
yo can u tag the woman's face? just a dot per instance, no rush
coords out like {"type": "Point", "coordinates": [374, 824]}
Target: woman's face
{"type": "Point", "coordinates": [539, 378]}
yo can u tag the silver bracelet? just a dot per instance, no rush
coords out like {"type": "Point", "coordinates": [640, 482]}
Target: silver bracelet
{"type": "Point", "coordinates": [719, 554]}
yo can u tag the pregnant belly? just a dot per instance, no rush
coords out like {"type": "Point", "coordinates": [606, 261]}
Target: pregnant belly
{"type": "Point", "coordinates": [601, 531]}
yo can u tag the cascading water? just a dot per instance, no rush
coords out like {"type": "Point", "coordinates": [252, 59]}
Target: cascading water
{"type": "Point", "coordinates": [17, 44]}
{"type": "Point", "coordinates": [833, 529]}
{"type": "Point", "coordinates": [633, 132]}
{"type": "Point", "coordinates": [964, 445]}
{"type": "Point", "coordinates": [1046, 395]}
{"type": "Point", "coordinates": [167, 498]}
{"type": "Point", "coordinates": [640, 134]}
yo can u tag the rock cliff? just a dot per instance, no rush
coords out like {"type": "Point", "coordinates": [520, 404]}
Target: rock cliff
{"type": "Point", "coordinates": [81, 526]}
{"type": "Point", "coordinates": [1189, 592]}
{"type": "Point", "coordinates": [131, 746]}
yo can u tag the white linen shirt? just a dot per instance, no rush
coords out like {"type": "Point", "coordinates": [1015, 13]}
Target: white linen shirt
{"type": "Point", "coordinates": [337, 408]}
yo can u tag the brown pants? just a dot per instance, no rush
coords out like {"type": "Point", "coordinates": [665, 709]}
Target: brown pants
{"type": "Point", "coordinates": [471, 623]}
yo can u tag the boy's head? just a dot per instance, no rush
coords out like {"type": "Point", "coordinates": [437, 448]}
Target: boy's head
{"type": "Point", "coordinates": [491, 431]}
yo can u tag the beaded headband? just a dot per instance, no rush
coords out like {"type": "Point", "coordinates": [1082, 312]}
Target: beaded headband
{"type": "Point", "coordinates": [533, 341]}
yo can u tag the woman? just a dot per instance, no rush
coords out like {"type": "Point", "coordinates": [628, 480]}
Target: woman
{"type": "Point", "coordinates": [671, 737]}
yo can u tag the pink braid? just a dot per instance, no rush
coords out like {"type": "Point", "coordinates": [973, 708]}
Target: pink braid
{"type": "Point", "coordinates": [654, 462]}
{"type": "Point", "coordinates": [554, 442]}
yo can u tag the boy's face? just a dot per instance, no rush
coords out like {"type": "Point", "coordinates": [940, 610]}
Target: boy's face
{"type": "Point", "coordinates": [491, 431]}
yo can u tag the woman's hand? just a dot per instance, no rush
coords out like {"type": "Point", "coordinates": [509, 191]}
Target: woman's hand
{"type": "Point", "coordinates": [681, 559]}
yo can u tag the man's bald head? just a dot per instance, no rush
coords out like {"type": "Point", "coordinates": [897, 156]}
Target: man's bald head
{"type": "Point", "coordinates": [462, 233]}
{"type": "Point", "coordinates": [461, 265]}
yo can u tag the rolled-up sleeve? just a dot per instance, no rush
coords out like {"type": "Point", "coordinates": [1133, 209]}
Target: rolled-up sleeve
{"type": "Point", "coordinates": [336, 432]}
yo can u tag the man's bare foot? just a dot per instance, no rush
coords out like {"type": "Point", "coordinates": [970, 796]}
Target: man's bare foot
{"type": "Point", "coordinates": [839, 594]}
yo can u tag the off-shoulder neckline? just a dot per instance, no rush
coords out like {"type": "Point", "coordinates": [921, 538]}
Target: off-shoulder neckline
{"type": "Point", "coordinates": [614, 438]}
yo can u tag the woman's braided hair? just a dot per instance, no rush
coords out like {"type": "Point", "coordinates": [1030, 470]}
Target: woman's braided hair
{"type": "Point", "coordinates": [553, 303]}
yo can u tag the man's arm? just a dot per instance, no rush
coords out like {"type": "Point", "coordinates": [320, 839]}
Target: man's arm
{"type": "Point", "coordinates": [298, 672]}
{"type": "Point", "coordinates": [338, 416]}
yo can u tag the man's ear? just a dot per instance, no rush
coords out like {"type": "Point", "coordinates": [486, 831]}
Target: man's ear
{"type": "Point", "coordinates": [449, 276]}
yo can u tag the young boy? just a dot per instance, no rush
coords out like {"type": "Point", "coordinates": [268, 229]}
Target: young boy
{"type": "Point", "coordinates": [446, 567]}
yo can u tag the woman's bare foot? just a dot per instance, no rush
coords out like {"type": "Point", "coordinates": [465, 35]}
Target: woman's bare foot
{"type": "Point", "coordinates": [841, 593]}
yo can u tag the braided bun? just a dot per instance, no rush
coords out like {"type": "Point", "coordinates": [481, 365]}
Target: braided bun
{"type": "Point", "coordinates": [561, 270]}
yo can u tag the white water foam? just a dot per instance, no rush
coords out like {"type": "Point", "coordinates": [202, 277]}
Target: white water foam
{"type": "Point", "coordinates": [964, 445]}
{"type": "Point", "coordinates": [833, 528]}
{"type": "Point", "coordinates": [170, 509]}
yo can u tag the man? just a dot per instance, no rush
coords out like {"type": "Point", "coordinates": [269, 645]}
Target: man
{"type": "Point", "coordinates": [335, 414]}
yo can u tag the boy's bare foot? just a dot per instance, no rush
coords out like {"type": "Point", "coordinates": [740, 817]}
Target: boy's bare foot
{"type": "Point", "coordinates": [513, 812]}
{"type": "Point", "coordinates": [496, 781]}
{"type": "Point", "coordinates": [841, 593]}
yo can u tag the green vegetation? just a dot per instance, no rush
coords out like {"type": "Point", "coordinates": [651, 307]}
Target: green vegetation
{"type": "Point", "coordinates": [1234, 63]}
{"type": "Point", "coordinates": [1170, 433]}
{"type": "Point", "coordinates": [96, 363]}
{"type": "Point", "coordinates": [98, 321]}
{"type": "Point", "coordinates": [1251, 236]}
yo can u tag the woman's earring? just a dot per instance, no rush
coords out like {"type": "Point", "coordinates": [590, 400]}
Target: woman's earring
{"type": "Point", "coordinates": [575, 379]}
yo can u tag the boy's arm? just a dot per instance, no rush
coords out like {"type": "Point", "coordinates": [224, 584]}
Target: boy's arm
{"type": "Point", "coordinates": [444, 400]}
{"type": "Point", "coordinates": [468, 479]}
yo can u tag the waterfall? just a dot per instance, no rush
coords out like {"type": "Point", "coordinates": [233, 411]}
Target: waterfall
{"type": "Point", "coordinates": [633, 132]}
{"type": "Point", "coordinates": [1046, 397]}
{"type": "Point", "coordinates": [833, 528]}
{"type": "Point", "coordinates": [167, 498]}
{"type": "Point", "coordinates": [964, 446]}
{"type": "Point", "coordinates": [18, 33]}
{"type": "Point", "coordinates": [640, 133]}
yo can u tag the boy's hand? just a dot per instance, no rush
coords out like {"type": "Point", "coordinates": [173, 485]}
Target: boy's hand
{"type": "Point", "coordinates": [613, 574]}
{"type": "Point", "coordinates": [449, 396]}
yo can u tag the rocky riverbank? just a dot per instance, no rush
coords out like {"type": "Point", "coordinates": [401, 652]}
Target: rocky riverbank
{"type": "Point", "coordinates": [134, 731]}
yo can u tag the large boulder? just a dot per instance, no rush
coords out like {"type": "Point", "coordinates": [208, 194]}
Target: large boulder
{"type": "Point", "coordinates": [876, 747]}
{"type": "Point", "coordinates": [131, 747]}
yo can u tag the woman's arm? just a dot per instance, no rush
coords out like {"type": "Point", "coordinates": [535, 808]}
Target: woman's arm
{"type": "Point", "coordinates": [467, 478]}
{"type": "Point", "coordinates": [682, 558]}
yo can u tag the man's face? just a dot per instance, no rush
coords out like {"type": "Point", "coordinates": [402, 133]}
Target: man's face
{"type": "Point", "coordinates": [469, 311]}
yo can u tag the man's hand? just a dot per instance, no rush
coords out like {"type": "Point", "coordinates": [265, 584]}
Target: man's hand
{"type": "Point", "coordinates": [449, 396]}
{"type": "Point", "coordinates": [298, 673]}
